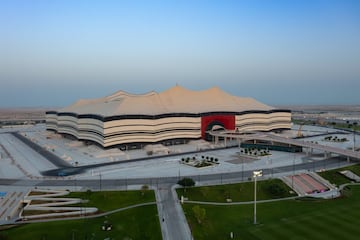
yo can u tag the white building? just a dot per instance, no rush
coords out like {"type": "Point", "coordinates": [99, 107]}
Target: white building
{"type": "Point", "coordinates": [175, 115]}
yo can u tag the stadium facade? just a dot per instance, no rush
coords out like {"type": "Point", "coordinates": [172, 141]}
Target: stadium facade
{"type": "Point", "coordinates": [173, 116]}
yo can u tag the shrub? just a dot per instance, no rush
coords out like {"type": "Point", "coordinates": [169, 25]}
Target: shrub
{"type": "Point", "coordinates": [144, 188]}
{"type": "Point", "coordinates": [275, 189]}
{"type": "Point", "coordinates": [199, 213]}
{"type": "Point", "coordinates": [186, 182]}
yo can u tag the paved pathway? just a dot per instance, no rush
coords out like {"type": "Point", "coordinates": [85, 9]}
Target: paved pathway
{"type": "Point", "coordinates": [172, 219]}
{"type": "Point", "coordinates": [87, 216]}
{"type": "Point", "coordinates": [241, 203]}
{"type": "Point", "coordinates": [10, 204]}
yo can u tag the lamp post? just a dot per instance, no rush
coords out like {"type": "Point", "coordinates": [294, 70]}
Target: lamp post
{"type": "Point", "coordinates": [354, 126]}
{"type": "Point", "coordinates": [255, 175]}
{"type": "Point", "coordinates": [292, 177]}
{"type": "Point", "coordinates": [242, 169]}
{"type": "Point", "coordinates": [100, 181]}
{"type": "Point", "coordinates": [353, 130]}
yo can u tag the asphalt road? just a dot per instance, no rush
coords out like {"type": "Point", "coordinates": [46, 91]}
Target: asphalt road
{"type": "Point", "coordinates": [172, 219]}
{"type": "Point", "coordinates": [101, 184]}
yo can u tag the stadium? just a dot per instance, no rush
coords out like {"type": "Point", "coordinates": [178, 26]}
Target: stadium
{"type": "Point", "coordinates": [174, 116]}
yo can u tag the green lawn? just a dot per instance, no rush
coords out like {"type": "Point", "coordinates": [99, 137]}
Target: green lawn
{"type": "Point", "coordinates": [239, 192]}
{"type": "Point", "coordinates": [346, 126]}
{"type": "Point", "coordinates": [290, 219]}
{"type": "Point", "coordinates": [334, 177]}
{"type": "Point", "coordinates": [136, 223]}
{"type": "Point", "coordinates": [329, 124]}
{"type": "Point", "coordinates": [109, 200]}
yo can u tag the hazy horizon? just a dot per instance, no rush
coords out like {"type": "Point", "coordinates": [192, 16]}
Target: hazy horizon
{"type": "Point", "coordinates": [278, 52]}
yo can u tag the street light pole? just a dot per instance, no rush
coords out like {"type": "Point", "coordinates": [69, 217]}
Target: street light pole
{"type": "Point", "coordinates": [354, 126]}
{"type": "Point", "coordinates": [100, 181]}
{"type": "Point", "coordinates": [255, 200]}
{"type": "Point", "coordinates": [242, 170]}
{"type": "Point", "coordinates": [255, 175]}
{"type": "Point", "coordinates": [354, 140]}
{"type": "Point", "coordinates": [292, 177]}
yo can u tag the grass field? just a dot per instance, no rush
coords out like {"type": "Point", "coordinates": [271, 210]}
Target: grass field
{"type": "Point", "coordinates": [334, 177]}
{"type": "Point", "coordinates": [136, 223]}
{"type": "Point", "coordinates": [109, 200]}
{"type": "Point", "coordinates": [290, 219]}
{"type": "Point", "coordinates": [240, 192]}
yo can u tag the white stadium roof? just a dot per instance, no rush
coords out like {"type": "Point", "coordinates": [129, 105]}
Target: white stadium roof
{"type": "Point", "coordinates": [174, 100]}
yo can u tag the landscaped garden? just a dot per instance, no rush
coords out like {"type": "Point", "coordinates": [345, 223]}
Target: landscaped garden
{"type": "Point", "coordinates": [335, 139]}
{"type": "Point", "coordinates": [110, 200]}
{"type": "Point", "coordinates": [347, 126]}
{"type": "Point", "coordinates": [303, 218]}
{"type": "Point", "coordinates": [136, 223]}
{"type": "Point", "coordinates": [253, 151]}
{"type": "Point", "coordinates": [240, 192]}
{"type": "Point", "coordinates": [204, 161]}
{"type": "Point", "coordinates": [335, 177]}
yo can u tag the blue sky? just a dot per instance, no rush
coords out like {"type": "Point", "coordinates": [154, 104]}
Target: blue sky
{"type": "Point", "coordinates": [279, 52]}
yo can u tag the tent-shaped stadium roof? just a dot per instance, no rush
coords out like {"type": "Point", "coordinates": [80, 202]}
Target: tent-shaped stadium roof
{"type": "Point", "coordinates": [174, 100]}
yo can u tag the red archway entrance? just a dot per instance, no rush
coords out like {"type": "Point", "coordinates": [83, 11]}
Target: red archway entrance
{"type": "Point", "coordinates": [226, 121]}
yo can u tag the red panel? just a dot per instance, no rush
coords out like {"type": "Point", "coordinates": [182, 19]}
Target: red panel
{"type": "Point", "coordinates": [227, 120]}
